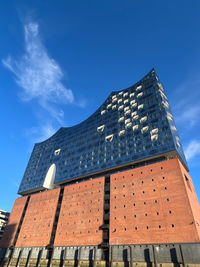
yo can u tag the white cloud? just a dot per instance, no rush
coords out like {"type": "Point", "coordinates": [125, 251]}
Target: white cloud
{"type": "Point", "coordinates": [186, 103]}
{"type": "Point", "coordinates": [189, 115]}
{"type": "Point", "coordinates": [40, 134]}
{"type": "Point", "coordinates": [192, 149]}
{"type": "Point", "coordinates": [39, 75]}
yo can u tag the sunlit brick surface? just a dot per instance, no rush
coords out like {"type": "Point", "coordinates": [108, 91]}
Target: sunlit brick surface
{"type": "Point", "coordinates": [192, 198]}
{"type": "Point", "coordinates": [150, 204]}
{"type": "Point", "coordinates": [38, 221]}
{"type": "Point", "coordinates": [13, 222]}
{"type": "Point", "coordinates": [81, 214]}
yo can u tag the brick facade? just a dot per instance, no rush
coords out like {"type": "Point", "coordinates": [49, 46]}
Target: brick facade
{"type": "Point", "coordinates": [155, 203]}
{"type": "Point", "coordinates": [150, 204]}
{"type": "Point", "coordinates": [38, 221]}
{"type": "Point", "coordinates": [13, 222]}
{"type": "Point", "coordinates": [81, 214]}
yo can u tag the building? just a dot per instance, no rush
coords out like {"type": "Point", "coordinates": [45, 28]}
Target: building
{"type": "Point", "coordinates": [3, 221]}
{"type": "Point", "coordinates": [112, 188]}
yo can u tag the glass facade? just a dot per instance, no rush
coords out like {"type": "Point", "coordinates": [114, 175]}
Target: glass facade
{"type": "Point", "coordinates": [132, 124]}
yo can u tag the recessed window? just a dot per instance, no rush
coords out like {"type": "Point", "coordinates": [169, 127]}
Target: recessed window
{"type": "Point", "coordinates": [139, 87]}
{"type": "Point", "coordinates": [172, 225]}
{"type": "Point", "coordinates": [156, 201]}
{"type": "Point", "coordinates": [170, 212]}
{"type": "Point", "coordinates": [145, 203]}
{"type": "Point", "coordinates": [147, 227]}
{"type": "Point", "coordinates": [143, 192]}
{"type": "Point", "coordinates": [135, 112]}
{"type": "Point", "coordinates": [57, 152]}
{"type": "Point", "coordinates": [145, 214]}
{"type": "Point", "coordinates": [169, 116]}
{"type": "Point", "coordinates": [127, 112]}
{"type": "Point", "coordinates": [109, 138]}
{"type": "Point", "coordinates": [145, 129]}
{"type": "Point", "coordinates": [121, 119]}
{"type": "Point", "coordinates": [114, 96]}
{"type": "Point", "coordinates": [165, 188]}
{"type": "Point", "coordinates": [167, 199]}
{"type": "Point", "coordinates": [100, 128]}
{"type": "Point", "coordinates": [135, 117]}
{"type": "Point", "coordinates": [141, 106]}
{"type": "Point", "coordinates": [157, 213]}
{"type": "Point", "coordinates": [154, 190]}
{"type": "Point", "coordinates": [159, 226]}
{"type": "Point", "coordinates": [135, 216]}
{"type": "Point", "coordinates": [127, 121]}
{"type": "Point", "coordinates": [143, 119]}
{"type": "Point", "coordinates": [136, 228]}
{"type": "Point", "coordinates": [121, 132]}
{"type": "Point", "coordinates": [135, 127]}
{"type": "Point", "coordinates": [134, 105]}
{"type": "Point", "coordinates": [124, 229]}
{"type": "Point", "coordinates": [152, 180]}
{"type": "Point", "coordinates": [154, 137]}
{"type": "Point", "coordinates": [186, 178]}
{"type": "Point", "coordinates": [140, 94]}
{"type": "Point", "coordinates": [128, 125]}
{"type": "Point", "coordinates": [154, 131]}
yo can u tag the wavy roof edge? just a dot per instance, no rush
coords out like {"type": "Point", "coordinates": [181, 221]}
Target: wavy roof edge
{"type": "Point", "coordinates": [70, 127]}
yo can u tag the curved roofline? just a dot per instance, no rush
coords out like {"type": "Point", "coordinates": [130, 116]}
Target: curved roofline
{"type": "Point", "coordinates": [152, 70]}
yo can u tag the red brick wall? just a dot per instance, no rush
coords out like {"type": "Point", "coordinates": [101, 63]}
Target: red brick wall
{"type": "Point", "coordinates": [193, 201]}
{"type": "Point", "coordinates": [150, 205]}
{"type": "Point", "coordinates": [81, 214]}
{"type": "Point", "coordinates": [38, 221]}
{"type": "Point", "coordinates": [13, 222]}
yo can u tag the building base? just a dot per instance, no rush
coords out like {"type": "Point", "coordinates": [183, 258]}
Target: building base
{"type": "Point", "coordinates": [185, 254]}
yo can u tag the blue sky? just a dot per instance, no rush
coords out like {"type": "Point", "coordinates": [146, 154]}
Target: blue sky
{"type": "Point", "coordinates": [59, 60]}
